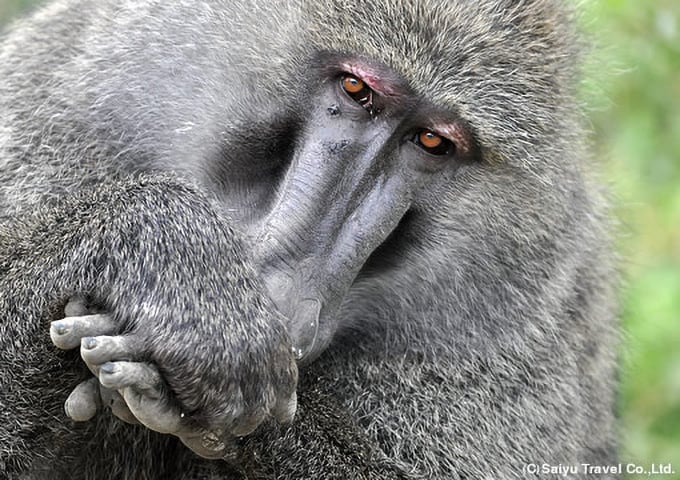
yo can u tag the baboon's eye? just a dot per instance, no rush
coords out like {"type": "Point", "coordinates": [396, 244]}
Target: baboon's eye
{"type": "Point", "coordinates": [352, 85]}
{"type": "Point", "coordinates": [433, 143]}
{"type": "Point", "coordinates": [357, 89]}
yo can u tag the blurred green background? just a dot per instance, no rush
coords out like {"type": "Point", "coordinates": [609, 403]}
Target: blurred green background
{"type": "Point", "coordinates": [634, 96]}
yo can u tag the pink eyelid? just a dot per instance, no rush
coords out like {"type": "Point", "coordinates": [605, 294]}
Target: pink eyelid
{"type": "Point", "coordinates": [371, 78]}
{"type": "Point", "coordinates": [454, 132]}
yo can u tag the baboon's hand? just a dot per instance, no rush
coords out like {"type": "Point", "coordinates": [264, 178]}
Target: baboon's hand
{"type": "Point", "coordinates": [137, 393]}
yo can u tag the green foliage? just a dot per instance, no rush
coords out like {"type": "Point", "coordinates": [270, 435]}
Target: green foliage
{"type": "Point", "coordinates": [10, 8]}
{"type": "Point", "coordinates": [636, 123]}
{"type": "Point", "coordinates": [637, 134]}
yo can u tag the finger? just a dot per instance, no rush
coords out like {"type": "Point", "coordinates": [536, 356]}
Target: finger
{"type": "Point", "coordinates": [285, 408]}
{"type": "Point", "coordinates": [66, 333]}
{"type": "Point", "coordinates": [116, 402]}
{"type": "Point", "coordinates": [142, 389]}
{"type": "Point", "coordinates": [246, 424]}
{"type": "Point", "coordinates": [207, 444]}
{"type": "Point", "coordinates": [84, 401]}
{"type": "Point", "coordinates": [155, 412]}
{"type": "Point", "coordinates": [141, 376]}
{"type": "Point", "coordinates": [98, 350]}
{"type": "Point", "coordinates": [286, 398]}
{"type": "Point", "coordinates": [76, 307]}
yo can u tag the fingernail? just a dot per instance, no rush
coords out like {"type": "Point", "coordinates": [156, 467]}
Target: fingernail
{"type": "Point", "coordinates": [108, 367]}
{"type": "Point", "coordinates": [60, 327]}
{"type": "Point", "coordinates": [89, 342]}
{"type": "Point", "coordinates": [212, 441]}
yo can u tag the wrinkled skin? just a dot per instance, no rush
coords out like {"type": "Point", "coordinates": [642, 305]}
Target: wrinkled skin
{"type": "Point", "coordinates": [319, 241]}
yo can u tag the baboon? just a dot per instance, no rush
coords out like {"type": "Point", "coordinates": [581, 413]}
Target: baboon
{"type": "Point", "coordinates": [301, 239]}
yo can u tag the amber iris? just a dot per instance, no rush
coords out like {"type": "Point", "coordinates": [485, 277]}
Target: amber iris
{"type": "Point", "coordinates": [352, 84]}
{"type": "Point", "coordinates": [429, 139]}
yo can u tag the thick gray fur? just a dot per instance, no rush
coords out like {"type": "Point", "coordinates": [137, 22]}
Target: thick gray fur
{"type": "Point", "coordinates": [480, 338]}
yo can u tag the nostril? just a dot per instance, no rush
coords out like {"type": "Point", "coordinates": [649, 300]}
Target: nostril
{"type": "Point", "coordinates": [304, 328]}
{"type": "Point", "coordinates": [302, 314]}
